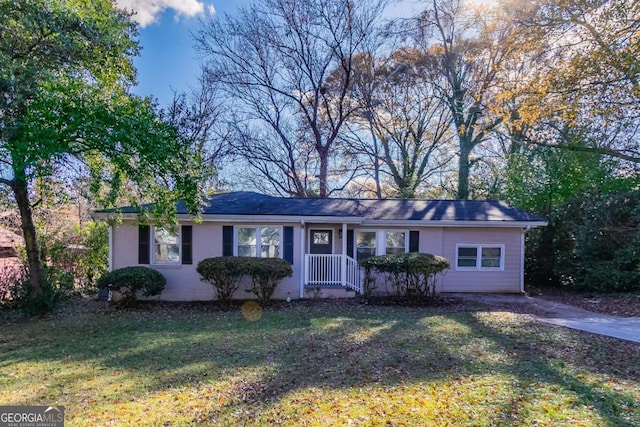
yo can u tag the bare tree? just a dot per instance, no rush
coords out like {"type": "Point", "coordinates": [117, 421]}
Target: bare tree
{"type": "Point", "coordinates": [201, 121]}
{"type": "Point", "coordinates": [408, 123]}
{"type": "Point", "coordinates": [273, 60]}
{"type": "Point", "coordinates": [468, 49]}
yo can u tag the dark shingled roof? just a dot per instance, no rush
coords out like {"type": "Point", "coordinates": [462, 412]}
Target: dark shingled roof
{"type": "Point", "coordinates": [249, 203]}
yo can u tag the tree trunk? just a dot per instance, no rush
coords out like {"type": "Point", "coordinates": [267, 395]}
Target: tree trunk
{"type": "Point", "coordinates": [323, 175]}
{"type": "Point", "coordinates": [376, 158]}
{"type": "Point", "coordinates": [29, 233]}
{"type": "Point", "coordinates": [463, 171]}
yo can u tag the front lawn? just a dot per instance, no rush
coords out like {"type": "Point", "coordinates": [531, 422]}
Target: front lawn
{"type": "Point", "coordinates": [318, 363]}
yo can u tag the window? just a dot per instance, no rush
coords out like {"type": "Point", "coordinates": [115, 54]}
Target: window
{"type": "Point", "coordinates": [372, 243]}
{"type": "Point", "coordinates": [247, 242]}
{"type": "Point", "coordinates": [491, 257]}
{"type": "Point", "coordinates": [268, 238]}
{"type": "Point", "coordinates": [467, 257]}
{"type": "Point", "coordinates": [365, 245]}
{"type": "Point", "coordinates": [480, 257]}
{"type": "Point", "coordinates": [166, 246]}
{"type": "Point", "coordinates": [270, 242]}
{"type": "Point", "coordinates": [395, 242]}
{"type": "Point", "coordinates": [320, 237]}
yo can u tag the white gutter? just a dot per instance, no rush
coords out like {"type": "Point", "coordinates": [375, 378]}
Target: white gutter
{"type": "Point", "coordinates": [454, 223]}
{"type": "Point", "coordinates": [264, 219]}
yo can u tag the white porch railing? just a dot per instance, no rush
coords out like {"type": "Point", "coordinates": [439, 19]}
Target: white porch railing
{"type": "Point", "coordinates": [326, 270]}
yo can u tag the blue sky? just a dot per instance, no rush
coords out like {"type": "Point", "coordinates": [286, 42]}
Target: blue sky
{"type": "Point", "coordinates": [168, 61]}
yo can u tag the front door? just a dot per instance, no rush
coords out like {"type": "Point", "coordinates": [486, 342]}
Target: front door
{"type": "Point", "coordinates": [321, 242]}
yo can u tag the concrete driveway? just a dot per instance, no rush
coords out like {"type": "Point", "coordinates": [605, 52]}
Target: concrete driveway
{"type": "Point", "coordinates": [624, 328]}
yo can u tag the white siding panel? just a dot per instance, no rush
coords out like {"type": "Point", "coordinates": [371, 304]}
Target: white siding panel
{"type": "Point", "coordinates": [504, 281]}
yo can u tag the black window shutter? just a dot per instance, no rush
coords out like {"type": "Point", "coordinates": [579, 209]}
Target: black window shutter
{"type": "Point", "coordinates": [144, 241]}
{"type": "Point", "coordinates": [414, 241]}
{"type": "Point", "coordinates": [187, 246]}
{"type": "Point", "coordinates": [287, 251]}
{"type": "Point", "coordinates": [227, 240]}
{"type": "Point", "coordinates": [350, 243]}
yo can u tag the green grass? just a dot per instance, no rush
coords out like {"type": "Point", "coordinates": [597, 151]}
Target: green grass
{"type": "Point", "coordinates": [326, 363]}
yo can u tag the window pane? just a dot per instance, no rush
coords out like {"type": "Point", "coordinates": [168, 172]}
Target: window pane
{"type": "Point", "coordinates": [247, 250]}
{"type": "Point", "coordinates": [466, 262]}
{"type": "Point", "coordinates": [163, 236]}
{"type": "Point", "coordinates": [468, 256]}
{"type": "Point", "coordinates": [491, 262]}
{"type": "Point", "coordinates": [366, 244]}
{"type": "Point", "coordinates": [166, 245]}
{"type": "Point", "coordinates": [270, 242]}
{"type": "Point", "coordinates": [491, 252]}
{"type": "Point", "coordinates": [491, 257]}
{"type": "Point", "coordinates": [395, 242]}
{"type": "Point", "coordinates": [247, 242]}
{"type": "Point", "coordinates": [468, 252]}
{"type": "Point", "coordinates": [320, 237]}
{"type": "Point", "coordinates": [246, 236]}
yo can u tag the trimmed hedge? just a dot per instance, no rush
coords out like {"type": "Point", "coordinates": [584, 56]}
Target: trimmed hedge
{"type": "Point", "coordinates": [266, 274]}
{"type": "Point", "coordinates": [129, 281]}
{"type": "Point", "coordinates": [411, 275]}
{"type": "Point", "coordinates": [226, 273]}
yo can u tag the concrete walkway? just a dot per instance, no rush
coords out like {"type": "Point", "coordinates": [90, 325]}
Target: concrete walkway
{"type": "Point", "coordinates": [624, 328]}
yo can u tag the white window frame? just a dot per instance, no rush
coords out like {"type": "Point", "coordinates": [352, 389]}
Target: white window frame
{"type": "Point", "coordinates": [258, 229]}
{"type": "Point", "coordinates": [381, 240]}
{"type": "Point", "coordinates": [479, 247]}
{"type": "Point", "coordinates": [152, 246]}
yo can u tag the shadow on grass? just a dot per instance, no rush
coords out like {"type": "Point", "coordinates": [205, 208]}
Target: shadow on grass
{"type": "Point", "coordinates": [327, 346]}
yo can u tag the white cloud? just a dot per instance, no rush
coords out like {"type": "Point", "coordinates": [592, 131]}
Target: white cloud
{"type": "Point", "coordinates": [147, 11]}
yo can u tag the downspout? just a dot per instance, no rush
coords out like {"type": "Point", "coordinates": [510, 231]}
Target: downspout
{"type": "Point", "coordinates": [303, 261]}
{"type": "Point", "coordinates": [110, 262]}
{"type": "Point", "coordinates": [524, 231]}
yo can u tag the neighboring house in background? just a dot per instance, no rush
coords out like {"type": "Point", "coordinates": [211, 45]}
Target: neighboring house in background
{"type": "Point", "coordinates": [325, 238]}
{"type": "Point", "coordinates": [9, 243]}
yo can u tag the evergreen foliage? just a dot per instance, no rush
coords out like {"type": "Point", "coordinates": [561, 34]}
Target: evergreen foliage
{"type": "Point", "coordinates": [266, 274]}
{"type": "Point", "coordinates": [224, 274]}
{"type": "Point", "coordinates": [411, 275]}
{"type": "Point", "coordinates": [131, 281]}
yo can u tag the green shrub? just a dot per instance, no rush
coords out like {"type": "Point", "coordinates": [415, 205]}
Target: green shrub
{"type": "Point", "coordinates": [266, 274]}
{"type": "Point", "coordinates": [224, 274]}
{"type": "Point", "coordinates": [129, 281]}
{"type": "Point", "coordinates": [607, 245]}
{"type": "Point", "coordinates": [411, 275]}
{"type": "Point", "coordinates": [92, 262]}
{"type": "Point", "coordinates": [56, 282]}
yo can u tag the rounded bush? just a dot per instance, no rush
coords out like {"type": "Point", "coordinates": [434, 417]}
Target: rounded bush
{"type": "Point", "coordinates": [224, 274]}
{"type": "Point", "coordinates": [129, 281]}
{"type": "Point", "coordinates": [266, 274]}
{"type": "Point", "coordinates": [411, 275]}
